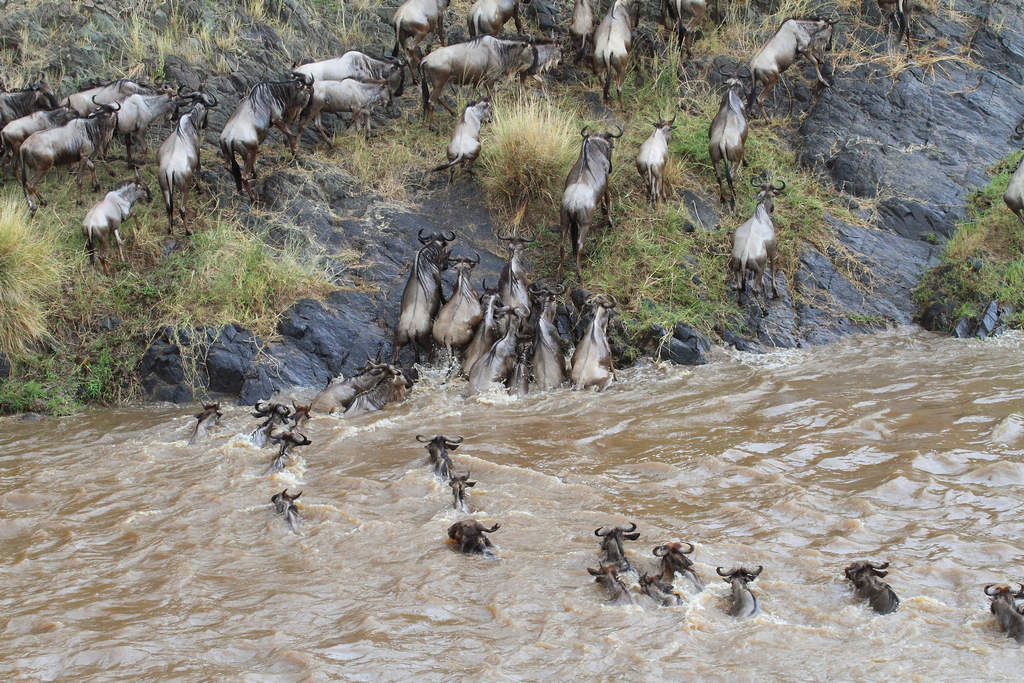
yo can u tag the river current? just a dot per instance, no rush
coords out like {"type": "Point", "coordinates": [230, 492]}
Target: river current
{"type": "Point", "coordinates": [127, 553]}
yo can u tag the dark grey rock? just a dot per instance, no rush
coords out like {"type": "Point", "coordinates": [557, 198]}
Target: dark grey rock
{"type": "Point", "coordinates": [687, 346]}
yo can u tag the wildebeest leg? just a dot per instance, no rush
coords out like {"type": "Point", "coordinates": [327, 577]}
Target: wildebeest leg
{"type": "Point", "coordinates": [184, 213]}
{"type": "Point", "coordinates": [768, 86]}
{"type": "Point", "coordinates": [32, 189]}
{"type": "Point", "coordinates": [283, 127]}
{"type": "Point", "coordinates": [515, 18]}
{"type": "Point", "coordinates": [439, 29]}
{"type": "Point", "coordinates": [249, 172]}
{"type": "Point", "coordinates": [584, 229]}
{"type": "Point", "coordinates": [562, 233]}
{"type": "Point", "coordinates": [620, 77]}
{"type": "Point", "coordinates": [817, 69]}
{"type": "Point", "coordinates": [771, 263]}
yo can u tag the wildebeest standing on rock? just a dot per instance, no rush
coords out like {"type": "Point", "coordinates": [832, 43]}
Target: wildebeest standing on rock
{"type": "Point", "coordinates": [86, 100]}
{"type": "Point", "coordinates": [684, 16]}
{"type": "Point", "coordinates": [354, 96]}
{"type": "Point", "coordinates": [421, 297]}
{"type": "Point", "coordinates": [457, 319]}
{"type": "Point", "coordinates": [178, 156]}
{"type": "Point", "coordinates": [674, 561]}
{"type": "Point", "coordinates": [754, 243]}
{"type": "Point", "coordinates": [612, 551]}
{"type": "Point", "coordinates": [465, 145]}
{"type": "Point", "coordinates": [138, 112]}
{"type": "Point", "coordinates": [728, 135]}
{"type": "Point", "coordinates": [78, 141]}
{"type": "Point", "coordinates": [810, 37]}
{"type": "Point", "coordinates": [18, 103]}
{"type": "Point", "coordinates": [488, 16]}
{"type": "Point", "coordinates": [210, 416]}
{"type": "Point", "coordinates": [548, 357]}
{"type": "Point", "coordinates": [469, 537]}
{"type": "Point", "coordinates": [513, 284]}
{"type": "Point", "coordinates": [1004, 607]}
{"type": "Point", "coordinates": [497, 364]}
{"type": "Point", "coordinates": [653, 158]}
{"type": "Point", "coordinates": [585, 186]}
{"type": "Point", "coordinates": [286, 505]}
{"type": "Point", "coordinates": [608, 576]}
{"type": "Point", "coordinates": [865, 578]}
{"type": "Point", "coordinates": [412, 21]}
{"type": "Point", "coordinates": [612, 41]}
{"type": "Point", "coordinates": [592, 364]}
{"type": "Point", "coordinates": [582, 26]}
{"type": "Point", "coordinates": [277, 104]}
{"type": "Point", "coordinates": [108, 215]}
{"type": "Point", "coordinates": [895, 14]}
{"type": "Point", "coordinates": [358, 65]}
{"type": "Point", "coordinates": [742, 603]}
{"type": "Point", "coordinates": [438, 448]}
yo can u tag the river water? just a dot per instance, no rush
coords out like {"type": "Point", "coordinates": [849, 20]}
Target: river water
{"type": "Point", "coordinates": [128, 553]}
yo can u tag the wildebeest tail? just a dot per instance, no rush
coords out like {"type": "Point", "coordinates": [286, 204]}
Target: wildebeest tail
{"type": "Point", "coordinates": [448, 165]}
{"type": "Point", "coordinates": [228, 149]}
{"type": "Point", "coordinates": [607, 73]}
{"type": "Point", "coordinates": [90, 246]}
{"type": "Point", "coordinates": [424, 89]}
{"type": "Point", "coordinates": [680, 30]}
{"type": "Point", "coordinates": [24, 182]}
{"type": "Point", "coordinates": [169, 198]}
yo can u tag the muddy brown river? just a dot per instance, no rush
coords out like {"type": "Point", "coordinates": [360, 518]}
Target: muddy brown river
{"type": "Point", "coordinates": [126, 553]}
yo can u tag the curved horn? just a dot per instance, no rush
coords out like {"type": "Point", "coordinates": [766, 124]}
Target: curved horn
{"type": "Point", "coordinates": [884, 565]}
{"type": "Point", "coordinates": [663, 548]}
{"type": "Point", "coordinates": [597, 532]}
{"type": "Point", "coordinates": [987, 592]}
{"type": "Point", "coordinates": [726, 574]}
{"type": "Point", "coordinates": [110, 107]}
{"type": "Point", "coordinates": [448, 239]}
{"type": "Point", "coordinates": [687, 552]}
{"type": "Point", "coordinates": [420, 237]}
{"type": "Point", "coordinates": [584, 131]}
{"type": "Point", "coordinates": [755, 182]}
{"type": "Point", "coordinates": [477, 261]}
{"type": "Point", "coordinates": [760, 568]}
{"type": "Point", "coordinates": [611, 304]}
{"type": "Point", "coordinates": [455, 440]}
{"type": "Point", "coordinates": [779, 188]}
{"type": "Point", "coordinates": [632, 527]}
{"type": "Point", "coordinates": [209, 100]}
{"type": "Point", "coordinates": [422, 439]}
{"type": "Point", "coordinates": [492, 529]}
{"type": "Point", "coordinates": [620, 132]}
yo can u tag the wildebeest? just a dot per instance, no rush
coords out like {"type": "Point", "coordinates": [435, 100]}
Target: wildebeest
{"type": "Point", "coordinates": [357, 97]}
{"type": "Point", "coordinates": [210, 415]}
{"type": "Point", "coordinates": [15, 104]}
{"type": "Point", "coordinates": [519, 381]}
{"type": "Point", "coordinates": [728, 135]}
{"type": "Point", "coordinates": [488, 16]}
{"type": "Point", "coordinates": [592, 363]}
{"type": "Point", "coordinates": [743, 603]}
{"type": "Point", "coordinates": [608, 576]}
{"type": "Point", "coordinates": [582, 26]}
{"type": "Point", "coordinates": [652, 159]}
{"type": "Point", "coordinates": [487, 330]}
{"type": "Point", "coordinates": [86, 100]}
{"type": "Point", "coordinates": [412, 21]}
{"type": "Point", "coordinates": [810, 37]}
{"type": "Point", "coordinates": [178, 157]}
{"type": "Point", "coordinates": [457, 319]}
{"type": "Point", "coordinates": [274, 415]}
{"type": "Point", "coordinates": [287, 440]}
{"type": "Point", "coordinates": [895, 14]}
{"type": "Point", "coordinates": [659, 590]}
{"type": "Point", "coordinates": [1014, 195]}
{"type": "Point", "coordinates": [1004, 607]}
{"type": "Point", "coordinates": [513, 284]}
{"type": "Point", "coordinates": [268, 104]}
{"type": "Point", "coordinates": [438, 448]}
{"type": "Point", "coordinates": [612, 41]}
{"type": "Point", "coordinates": [17, 131]}
{"type": "Point", "coordinates": [754, 243]}
{"type": "Point", "coordinates": [684, 16]}
{"type": "Point", "coordinates": [469, 537]}
{"type": "Point", "coordinates": [78, 141]}
{"type": "Point", "coordinates": [612, 551]}
{"type": "Point", "coordinates": [339, 394]}
{"type": "Point", "coordinates": [497, 364]}
{"type": "Point", "coordinates": [548, 356]}
{"type": "Point", "coordinates": [585, 186]}
{"type": "Point", "coordinates": [108, 215]}
{"type": "Point", "coordinates": [480, 62]}
{"type": "Point", "coordinates": [138, 112]}
{"type": "Point", "coordinates": [300, 415]}
{"type": "Point", "coordinates": [865, 578]}
{"type": "Point", "coordinates": [421, 297]}
{"type": "Point", "coordinates": [361, 66]}
{"type": "Point", "coordinates": [465, 145]}
{"type": "Point", "coordinates": [459, 484]}
{"type": "Point", "coordinates": [674, 560]}
{"type": "Point", "coordinates": [389, 389]}
{"type": "Point", "coordinates": [286, 505]}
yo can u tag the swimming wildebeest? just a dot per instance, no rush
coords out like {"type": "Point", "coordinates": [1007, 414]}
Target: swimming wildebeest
{"type": "Point", "coordinates": [487, 330]}
{"type": "Point", "coordinates": [1004, 606]}
{"type": "Point", "coordinates": [548, 357]}
{"type": "Point", "coordinates": [743, 603]}
{"type": "Point", "coordinates": [285, 504]}
{"type": "Point", "coordinates": [459, 484]}
{"type": "Point", "coordinates": [469, 536]}
{"type": "Point", "coordinates": [612, 551]}
{"type": "Point", "coordinates": [340, 394]}
{"type": "Point", "coordinates": [659, 590]}
{"type": "Point", "coordinates": [288, 440]}
{"type": "Point", "coordinates": [390, 388]}
{"type": "Point", "coordinates": [274, 414]}
{"type": "Point", "coordinates": [865, 578]}
{"type": "Point", "coordinates": [210, 416]}
{"type": "Point", "coordinates": [421, 297]}
{"type": "Point", "coordinates": [592, 363]}
{"type": "Point", "coordinates": [674, 560]}
{"type": "Point", "coordinates": [608, 576]}
{"type": "Point", "coordinates": [438, 448]}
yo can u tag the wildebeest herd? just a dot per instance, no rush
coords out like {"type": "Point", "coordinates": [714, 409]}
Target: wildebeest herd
{"type": "Point", "coordinates": [506, 334]}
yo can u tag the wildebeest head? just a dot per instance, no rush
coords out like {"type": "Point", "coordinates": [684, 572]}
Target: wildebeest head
{"type": "Point", "coordinates": [459, 484]}
{"type": "Point", "coordinates": [274, 413]}
{"type": "Point", "coordinates": [1002, 591]}
{"type": "Point", "coordinates": [603, 142]}
{"type": "Point", "coordinates": [674, 556]}
{"type": "Point", "coordinates": [767, 191]}
{"type": "Point", "coordinates": [436, 247]}
{"type": "Point", "coordinates": [282, 501]}
{"type": "Point", "coordinates": [44, 97]}
{"type": "Point", "coordinates": [607, 574]}
{"type": "Point", "coordinates": [739, 574]}
{"type": "Point", "coordinates": [660, 590]}
{"type": "Point", "coordinates": [858, 571]}
{"type": "Point", "coordinates": [611, 543]}
{"type": "Point", "coordinates": [211, 411]}
{"type": "Point", "coordinates": [438, 448]}
{"type": "Point", "coordinates": [468, 536]}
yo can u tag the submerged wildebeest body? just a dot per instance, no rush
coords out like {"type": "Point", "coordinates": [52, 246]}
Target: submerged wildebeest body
{"type": "Point", "coordinates": [469, 537]}
{"type": "Point", "coordinates": [660, 591]}
{"type": "Point", "coordinates": [608, 576]}
{"type": "Point", "coordinates": [459, 484]}
{"type": "Point", "coordinates": [684, 16]}
{"type": "Point", "coordinates": [438, 448]}
{"type": "Point", "coordinates": [14, 134]}
{"type": "Point", "coordinates": [465, 145]}
{"type": "Point", "coordinates": [340, 394]}
{"type": "Point", "coordinates": [78, 141]}
{"type": "Point", "coordinates": [285, 505]}
{"type": "Point", "coordinates": [268, 104]}
{"type": "Point", "coordinates": [488, 16]}
{"type": "Point", "coordinates": [674, 561]}
{"type": "Point", "coordinates": [810, 37]}
{"type": "Point", "coordinates": [1007, 613]}
{"type": "Point", "coordinates": [1014, 195]}
{"type": "Point", "coordinates": [754, 243]}
{"type": "Point", "coordinates": [512, 283]}
{"type": "Point", "coordinates": [612, 41]}
{"type": "Point", "coordinates": [274, 415]}
{"type": "Point", "coordinates": [390, 388]}
{"type": "Point", "coordinates": [652, 159]}
{"type": "Point", "coordinates": [519, 381]}
{"type": "Point", "coordinates": [728, 135]}
{"type": "Point", "coordinates": [496, 365]}
{"type": "Point", "coordinates": [412, 21]}
{"type": "Point", "coordinates": [480, 62]}
{"type": "Point", "coordinates": [108, 215]}
{"type": "Point", "coordinates": [865, 578]}
{"type": "Point", "coordinates": [585, 187]}
{"type": "Point", "coordinates": [486, 331]}
{"type": "Point", "coordinates": [86, 100]}
{"type": "Point", "coordinates": [351, 95]}
{"type": "Point", "coordinates": [300, 416]}
{"type": "Point", "coordinates": [592, 364]}
{"type": "Point", "coordinates": [458, 318]}
{"type": "Point", "coordinates": [210, 416]}
{"type": "Point", "coordinates": [743, 602]}
{"type": "Point", "coordinates": [178, 157]}
{"type": "Point", "coordinates": [287, 440]}
{"type": "Point", "coordinates": [612, 551]}
{"type": "Point", "coordinates": [548, 357]}
{"type": "Point", "coordinates": [421, 297]}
